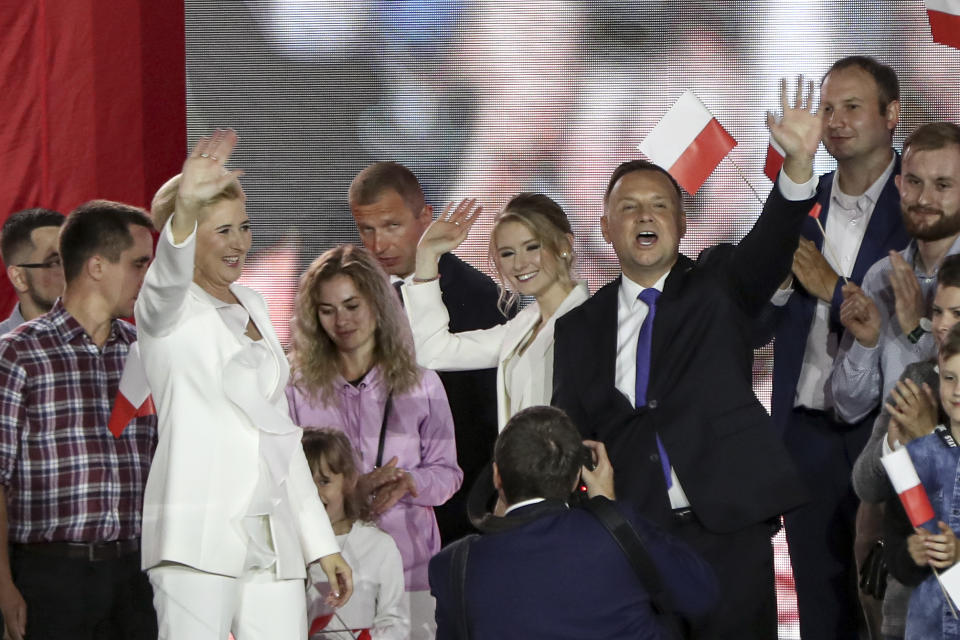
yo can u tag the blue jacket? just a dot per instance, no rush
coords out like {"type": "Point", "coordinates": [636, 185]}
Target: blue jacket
{"type": "Point", "coordinates": [790, 325]}
{"type": "Point", "coordinates": [556, 573]}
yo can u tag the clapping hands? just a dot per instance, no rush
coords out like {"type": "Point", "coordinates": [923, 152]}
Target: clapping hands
{"type": "Point", "coordinates": [386, 485]}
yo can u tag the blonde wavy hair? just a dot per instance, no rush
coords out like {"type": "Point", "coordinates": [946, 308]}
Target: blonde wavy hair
{"type": "Point", "coordinates": [313, 357]}
{"type": "Point", "coordinates": [547, 222]}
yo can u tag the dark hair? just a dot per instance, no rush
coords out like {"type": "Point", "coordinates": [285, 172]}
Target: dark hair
{"type": "Point", "coordinates": [15, 236]}
{"type": "Point", "coordinates": [333, 445]}
{"type": "Point", "coordinates": [538, 455]}
{"type": "Point", "coordinates": [951, 344]}
{"type": "Point", "coordinates": [932, 136]}
{"type": "Point", "coordinates": [948, 275]}
{"type": "Point", "coordinates": [372, 182]}
{"type": "Point", "coordinates": [888, 87]}
{"type": "Point", "coordinates": [98, 227]}
{"type": "Point", "coordinates": [640, 165]}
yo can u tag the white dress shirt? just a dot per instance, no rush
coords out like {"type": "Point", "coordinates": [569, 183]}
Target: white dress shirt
{"type": "Point", "coordinates": [631, 312]}
{"type": "Point", "coordinates": [846, 225]}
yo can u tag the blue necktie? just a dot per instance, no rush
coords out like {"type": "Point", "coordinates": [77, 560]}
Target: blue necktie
{"type": "Point", "coordinates": [644, 346]}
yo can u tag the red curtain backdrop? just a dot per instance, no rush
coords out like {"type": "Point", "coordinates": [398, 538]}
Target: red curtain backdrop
{"type": "Point", "coordinates": [92, 103]}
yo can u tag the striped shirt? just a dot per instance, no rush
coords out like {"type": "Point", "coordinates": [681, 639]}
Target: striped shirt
{"type": "Point", "coordinates": [66, 477]}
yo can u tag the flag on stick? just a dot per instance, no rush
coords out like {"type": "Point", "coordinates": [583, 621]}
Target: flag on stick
{"type": "Point", "coordinates": [774, 162]}
{"type": "Point", "coordinates": [133, 398]}
{"type": "Point", "coordinates": [903, 477]}
{"type": "Point", "coordinates": [944, 16]}
{"type": "Point", "coordinates": [815, 214]}
{"type": "Point", "coordinates": [688, 142]}
{"type": "Point", "coordinates": [950, 583]}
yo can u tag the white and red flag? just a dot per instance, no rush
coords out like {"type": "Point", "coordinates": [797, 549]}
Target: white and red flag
{"type": "Point", "coordinates": [133, 397]}
{"type": "Point", "coordinates": [774, 162]}
{"type": "Point", "coordinates": [944, 16]}
{"type": "Point", "coordinates": [903, 477]}
{"type": "Point", "coordinates": [688, 142]}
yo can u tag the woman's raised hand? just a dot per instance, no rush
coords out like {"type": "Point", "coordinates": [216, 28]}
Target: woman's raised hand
{"type": "Point", "coordinates": [204, 175]}
{"type": "Point", "coordinates": [445, 234]}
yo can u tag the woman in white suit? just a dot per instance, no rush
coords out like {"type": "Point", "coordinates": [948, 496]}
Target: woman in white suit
{"type": "Point", "coordinates": [231, 515]}
{"type": "Point", "coordinates": [531, 246]}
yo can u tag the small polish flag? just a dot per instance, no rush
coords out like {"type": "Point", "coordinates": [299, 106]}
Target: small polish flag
{"type": "Point", "coordinates": [903, 477]}
{"type": "Point", "coordinates": [133, 397]}
{"type": "Point", "coordinates": [944, 16]}
{"type": "Point", "coordinates": [815, 211]}
{"type": "Point", "coordinates": [775, 156]}
{"type": "Point", "coordinates": [688, 142]}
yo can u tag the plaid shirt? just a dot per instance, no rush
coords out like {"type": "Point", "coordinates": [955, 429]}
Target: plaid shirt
{"type": "Point", "coordinates": [66, 477]}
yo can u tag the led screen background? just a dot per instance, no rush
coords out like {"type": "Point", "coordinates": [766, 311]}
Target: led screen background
{"type": "Point", "coordinates": [490, 98]}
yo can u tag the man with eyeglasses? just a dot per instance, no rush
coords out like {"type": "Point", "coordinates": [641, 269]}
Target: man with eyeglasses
{"type": "Point", "coordinates": [28, 244]}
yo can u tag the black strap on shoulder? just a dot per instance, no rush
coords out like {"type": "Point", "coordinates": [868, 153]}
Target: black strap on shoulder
{"type": "Point", "coordinates": [631, 543]}
{"type": "Point", "coordinates": [458, 584]}
{"type": "Point", "coordinates": [383, 431]}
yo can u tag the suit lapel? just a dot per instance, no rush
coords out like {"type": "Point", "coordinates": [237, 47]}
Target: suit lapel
{"type": "Point", "coordinates": [665, 325]}
{"type": "Point", "coordinates": [603, 313]}
{"type": "Point", "coordinates": [884, 222]}
{"type": "Point", "coordinates": [258, 313]}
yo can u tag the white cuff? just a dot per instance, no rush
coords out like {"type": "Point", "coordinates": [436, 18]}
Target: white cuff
{"type": "Point", "coordinates": [793, 191]}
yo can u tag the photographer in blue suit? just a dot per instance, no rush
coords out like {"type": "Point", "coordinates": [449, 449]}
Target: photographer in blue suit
{"type": "Point", "coordinates": [546, 570]}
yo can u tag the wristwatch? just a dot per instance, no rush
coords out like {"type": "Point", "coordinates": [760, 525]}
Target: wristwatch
{"type": "Point", "coordinates": [925, 326]}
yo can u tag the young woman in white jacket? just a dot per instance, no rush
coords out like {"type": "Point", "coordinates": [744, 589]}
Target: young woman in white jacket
{"type": "Point", "coordinates": [531, 246]}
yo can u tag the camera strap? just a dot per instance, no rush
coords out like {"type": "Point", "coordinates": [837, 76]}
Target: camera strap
{"type": "Point", "coordinates": [632, 544]}
{"type": "Point", "coordinates": [458, 583]}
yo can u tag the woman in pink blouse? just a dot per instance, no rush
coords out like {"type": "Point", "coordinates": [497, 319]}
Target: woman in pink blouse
{"type": "Point", "coordinates": [354, 370]}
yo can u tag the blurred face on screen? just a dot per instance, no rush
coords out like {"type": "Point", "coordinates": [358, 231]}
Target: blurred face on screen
{"type": "Point", "coordinates": [853, 125]}
{"type": "Point", "coordinates": [391, 230]}
{"type": "Point", "coordinates": [644, 222]}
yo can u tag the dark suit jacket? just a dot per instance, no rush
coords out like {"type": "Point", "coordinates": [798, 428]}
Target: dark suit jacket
{"type": "Point", "coordinates": [470, 297]}
{"type": "Point", "coordinates": [700, 399]}
{"type": "Point", "coordinates": [791, 323]}
{"type": "Point", "coordinates": [555, 573]}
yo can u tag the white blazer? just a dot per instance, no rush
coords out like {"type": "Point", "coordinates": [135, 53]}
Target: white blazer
{"type": "Point", "coordinates": [441, 350]}
{"type": "Point", "coordinates": [218, 429]}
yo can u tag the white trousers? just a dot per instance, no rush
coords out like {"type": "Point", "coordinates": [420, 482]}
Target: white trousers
{"type": "Point", "coordinates": [195, 605]}
{"type": "Point", "coordinates": [423, 615]}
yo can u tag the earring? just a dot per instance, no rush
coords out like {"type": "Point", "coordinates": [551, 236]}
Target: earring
{"type": "Point", "coordinates": [564, 255]}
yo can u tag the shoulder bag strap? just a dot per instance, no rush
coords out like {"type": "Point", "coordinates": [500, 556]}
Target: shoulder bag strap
{"type": "Point", "coordinates": [383, 431]}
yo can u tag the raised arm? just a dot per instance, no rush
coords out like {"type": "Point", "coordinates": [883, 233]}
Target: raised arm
{"type": "Point", "coordinates": [203, 178]}
{"type": "Point", "coordinates": [164, 290]}
{"type": "Point", "coordinates": [439, 349]}
{"type": "Point", "coordinates": [764, 257]}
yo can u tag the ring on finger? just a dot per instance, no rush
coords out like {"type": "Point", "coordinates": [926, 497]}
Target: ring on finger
{"type": "Point", "coordinates": [204, 155]}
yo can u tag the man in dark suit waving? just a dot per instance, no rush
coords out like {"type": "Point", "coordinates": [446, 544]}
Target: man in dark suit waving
{"type": "Point", "coordinates": [657, 365]}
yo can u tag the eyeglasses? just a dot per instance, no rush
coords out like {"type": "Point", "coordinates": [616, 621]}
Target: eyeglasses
{"type": "Point", "coordinates": [52, 263]}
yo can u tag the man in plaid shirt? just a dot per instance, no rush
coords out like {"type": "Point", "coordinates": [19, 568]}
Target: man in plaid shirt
{"type": "Point", "coordinates": [72, 493]}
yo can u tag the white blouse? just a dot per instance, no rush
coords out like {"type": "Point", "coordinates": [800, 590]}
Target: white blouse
{"type": "Point", "coordinates": [378, 602]}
